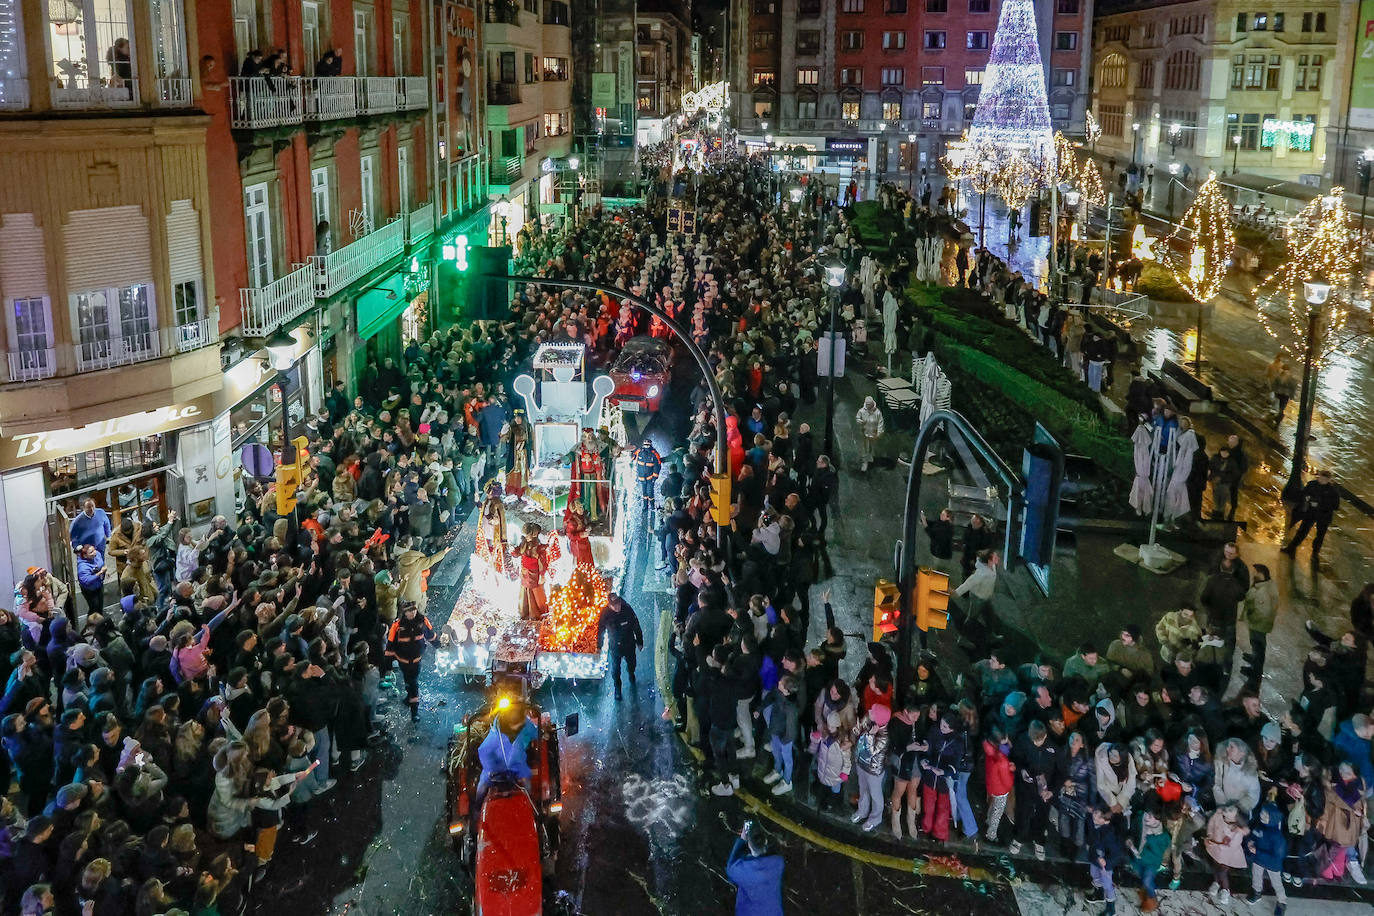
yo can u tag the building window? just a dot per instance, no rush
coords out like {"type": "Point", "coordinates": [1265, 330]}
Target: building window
{"type": "Point", "coordinates": [976, 41]}
{"type": "Point", "coordinates": [851, 6]}
{"type": "Point", "coordinates": [556, 122]}
{"type": "Point", "coordinates": [894, 41]}
{"type": "Point", "coordinates": [806, 108]}
{"type": "Point", "coordinates": [851, 76]}
{"type": "Point", "coordinates": [1113, 72]}
{"type": "Point", "coordinates": [1267, 137]}
{"type": "Point", "coordinates": [930, 111]}
{"type": "Point", "coordinates": [932, 76]}
{"type": "Point", "coordinates": [258, 231]}
{"type": "Point", "coordinates": [808, 41]}
{"type": "Point", "coordinates": [808, 76]}
{"type": "Point", "coordinates": [894, 76]}
{"type": "Point", "coordinates": [973, 77]}
{"type": "Point", "coordinates": [186, 309]}
{"type": "Point", "coordinates": [763, 41]}
{"type": "Point", "coordinates": [1145, 77]}
{"type": "Point", "coordinates": [935, 41]}
{"type": "Point", "coordinates": [1065, 77]}
{"type": "Point", "coordinates": [1271, 73]}
{"type": "Point", "coordinates": [1059, 112]}
{"type": "Point", "coordinates": [809, 8]}
{"type": "Point", "coordinates": [852, 41]}
{"type": "Point", "coordinates": [892, 111]}
{"type": "Point", "coordinates": [1314, 22]}
{"type": "Point", "coordinates": [555, 69]}
{"type": "Point", "coordinates": [169, 40]}
{"type": "Point", "coordinates": [1242, 22]}
{"type": "Point", "coordinates": [764, 7]}
{"type": "Point", "coordinates": [1066, 7]}
{"type": "Point", "coordinates": [970, 108]}
{"type": "Point", "coordinates": [1181, 71]}
{"type": "Point", "coordinates": [1112, 118]}
{"type": "Point", "coordinates": [1247, 126]}
{"type": "Point", "coordinates": [1187, 122]}
{"type": "Point", "coordinates": [32, 339]}
{"type": "Point", "coordinates": [1065, 41]}
{"type": "Point", "coordinates": [937, 6]}
{"type": "Point", "coordinates": [1278, 22]}
{"type": "Point", "coordinates": [1254, 71]}
{"type": "Point", "coordinates": [89, 49]}
{"type": "Point", "coordinates": [367, 194]}
{"type": "Point", "coordinates": [1261, 22]}
{"type": "Point", "coordinates": [319, 197]}
{"type": "Point", "coordinates": [896, 6]}
{"type": "Point", "coordinates": [115, 325]}
{"type": "Point", "coordinates": [764, 78]}
{"type": "Point", "coordinates": [849, 111]}
{"type": "Point", "coordinates": [1308, 75]}
{"type": "Point", "coordinates": [979, 6]}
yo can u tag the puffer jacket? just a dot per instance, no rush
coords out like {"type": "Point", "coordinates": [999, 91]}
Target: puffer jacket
{"type": "Point", "coordinates": [229, 812]}
{"type": "Point", "coordinates": [1113, 789]}
{"type": "Point", "coordinates": [870, 751]}
{"type": "Point", "coordinates": [833, 762]}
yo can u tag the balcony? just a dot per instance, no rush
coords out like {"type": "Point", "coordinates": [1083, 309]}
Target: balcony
{"type": "Point", "coordinates": [195, 334]}
{"type": "Point", "coordinates": [284, 299]}
{"type": "Point", "coordinates": [329, 97]}
{"type": "Point", "coordinates": [14, 94]}
{"type": "Point", "coordinates": [173, 93]}
{"type": "Point", "coordinates": [503, 93]}
{"type": "Point", "coordinates": [420, 224]}
{"type": "Point", "coordinates": [503, 12]}
{"type": "Point", "coordinates": [266, 101]}
{"type": "Point", "coordinates": [82, 93]}
{"type": "Point", "coordinates": [412, 92]}
{"type": "Point", "coordinates": [506, 170]}
{"type": "Point", "coordinates": [31, 365]}
{"type": "Point", "coordinates": [339, 268]}
{"type": "Point", "coordinates": [34, 364]}
{"type": "Point", "coordinates": [379, 94]}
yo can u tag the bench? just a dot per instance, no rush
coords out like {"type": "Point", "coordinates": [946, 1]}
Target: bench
{"type": "Point", "coordinates": [1189, 393]}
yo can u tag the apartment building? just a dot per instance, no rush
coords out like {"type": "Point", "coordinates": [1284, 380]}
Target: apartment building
{"type": "Point", "coordinates": [664, 69]}
{"type": "Point", "coordinates": [527, 47]}
{"type": "Point", "coordinates": [882, 85]}
{"type": "Point", "coordinates": [1222, 85]}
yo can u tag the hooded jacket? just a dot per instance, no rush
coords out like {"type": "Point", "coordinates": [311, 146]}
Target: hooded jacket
{"type": "Point", "coordinates": [1266, 845]}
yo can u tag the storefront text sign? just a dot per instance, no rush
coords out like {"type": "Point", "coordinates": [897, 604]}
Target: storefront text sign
{"type": "Point", "coordinates": [35, 448]}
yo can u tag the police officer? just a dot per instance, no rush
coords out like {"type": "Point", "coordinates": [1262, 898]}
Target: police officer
{"type": "Point", "coordinates": [405, 643]}
{"type": "Point", "coordinates": [647, 465]}
{"type": "Point", "coordinates": [624, 640]}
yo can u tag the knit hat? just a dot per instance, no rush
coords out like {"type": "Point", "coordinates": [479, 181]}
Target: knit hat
{"type": "Point", "coordinates": [71, 794]}
{"type": "Point", "coordinates": [880, 715]}
{"type": "Point", "coordinates": [1271, 733]}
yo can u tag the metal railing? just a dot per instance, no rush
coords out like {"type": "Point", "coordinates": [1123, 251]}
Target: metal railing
{"type": "Point", "coordinates": [265, 309]}
{"type": "Point", "coordinates": [31, 365]}
{"type": "Point", "coordinates": [379, 94]}
{"type": "Point", "coordinates": [503, 93]}
{"type": "Point", "coordinates": [506, 170]}
{"type": "Point", "coordinates": [81, 92]}
{"type": "Point", "coordinates": [412, 92]}
{"type": "Point", "coordinates": [173, 92]}
{"type": "Point", "coordinates": [329, 97]}
{"type": "Point", "coordinates": [266, 101]}
{"type": "Point", "coordinates": [14, 94]}
{"type": "Point", "coordinates": [420, 224]}
{"type": "Point", "coordinates": [194, 334]}
{"type": "Point", "coordinates": [124, 350]}
{"type": "Point", "coordinates": [339, 268]}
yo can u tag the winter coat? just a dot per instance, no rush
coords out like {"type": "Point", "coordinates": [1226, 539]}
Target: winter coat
{"type": "Point", "coordinates": [229, 813]}
{"type": "Point", "coordinates": [1267, 847]}
{"type": "Point", "coordinates": [344, 488]}
{"type": "Point", "coordinates": [832, 762]}
{"type": "Point", "coordinates": [783, 716]}
{"type": "Point", "coordinates": [1225, 842]}
{"type": "Point", "coordinates": [90, 574]}
{"type": "Point", "coordinates": [1342, 823]}
{"type": "Point", "coordinates": [410, 567]}
{"type": "Point", "coordinates": [1150, 852]}
{"type": "Point", "coordinates": [870, 422]}
{"type": "Point", "coordinates": [1236, 784]}
{"type": "Point", "coordinates": [1105, 842]}
{"type": "Point", "coordinates": [1081, 770]}
{"type": "Point", "coordinates": [1260, 607]}
{"type": "Point", "coordinates": [1134, 658]}
{"type": "Point", "coordinates": [1113, 789]}
{"type": "Point", "coordinates": [870, 751]}
{"type": "Point", "coordinates": [758, 880]}
{"type": "Point", "coordinates": [998, 771]}
{"type": "Point", "coordinates": [1356, 750]}
{"type": "Point", "coordinates": [1174, 633]}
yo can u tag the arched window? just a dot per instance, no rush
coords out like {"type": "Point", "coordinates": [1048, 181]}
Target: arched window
{"type": "Point", "coordinates": [1181, 71]}
{"type": "Point", "coordinates": [1113, 72]}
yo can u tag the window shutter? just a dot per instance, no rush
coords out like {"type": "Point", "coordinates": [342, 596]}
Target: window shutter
{"type": "Point", "coordinates": [23, 267]}
{"type": "Point", "coordinates": [107, 247]}
{"type": "Point", "coordinates": [183, 242]}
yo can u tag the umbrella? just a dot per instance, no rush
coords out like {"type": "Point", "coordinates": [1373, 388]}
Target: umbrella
{"type": "Point", "coordinates": [889, 322]}
{"type": "Point", "coordinates": [1176, 497]}
{"type": "Point", "coordinates": [1142, 491]}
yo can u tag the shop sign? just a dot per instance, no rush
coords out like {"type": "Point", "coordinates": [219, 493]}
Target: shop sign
{"type": "Point", "coordinates": [28, 449]}
{"type": "Point", "coordinates": [845, 147]}
{"type": "Point", "coordinates": [603, 90]}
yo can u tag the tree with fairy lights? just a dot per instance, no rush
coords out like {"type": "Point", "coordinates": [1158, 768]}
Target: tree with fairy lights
{"type": "Point", "coordinates": [1065, 161]}
{"type": "Point", "coordinates": [1308, 306]}
{"type": "Point", "coordinates": [1016, 180]}
{"type": "Point", "coordinates": [1199, 251]}
{"type": "Point", "coordinates": [1092, 130]}
{"type": "Point", "coordinates": [1090, 184]}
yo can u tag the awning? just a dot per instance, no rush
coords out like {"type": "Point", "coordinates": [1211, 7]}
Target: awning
{"type": "Point", "coordinates": [381, 303]}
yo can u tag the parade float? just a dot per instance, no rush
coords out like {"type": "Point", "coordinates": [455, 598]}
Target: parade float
{"type": "Point", "coordinates": [549, 535]}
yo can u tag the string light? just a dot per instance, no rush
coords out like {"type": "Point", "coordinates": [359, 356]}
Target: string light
{"type": "Point", "coordinates": [1199, 251]}
{"type": "Point", "coordinates": [1066, 165]}
{"type": "Point", "coordinates": [1092, 129]}
{"type": "Point", "coordinates": [574, 610]}
{"type": "Point", "coordinates": [1016, 180]}
{"type": "Point", "coordinates": [1318, 243]}
{"type": "Point", "coordinates": [1090, 184]}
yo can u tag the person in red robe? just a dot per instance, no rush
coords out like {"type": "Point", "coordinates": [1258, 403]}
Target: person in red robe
{"type": "Point", "coordinates": [587, 468]}
{"type": "Point", "coordinates": [534, 562]}
{"type": "Point", "coordinates": [575, 527]}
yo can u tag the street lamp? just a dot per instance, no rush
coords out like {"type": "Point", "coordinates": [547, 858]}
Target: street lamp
{"type": "Point", "coordinates": [574, 162]}
{"type": "Point", "coordinates": [910, 160]}
{"type": "Point", "coordinates": [834, 269]}
{"type": "Point", "coordinates": [1235, 155]}
{"type": "Point", "coordinates": [1175, 129]}
{"type": "Point", "coordinates": [1135, 142]}
{"type": "Point", "coordinates": [281, 353]}
{"type": "Point", "coordinates": [502, 210]}
{"type": "Point", "coordinates": [1316, 291]}
{"type": "Point", "coordinates": [1173, 178]}
{"type": "Point", "coordinates": [986, 167]}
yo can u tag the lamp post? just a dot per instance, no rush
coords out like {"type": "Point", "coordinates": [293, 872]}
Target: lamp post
{"type": "Point", "coordinates": [768, 139]}
{"type": "Point", "coordinates": [834, 278]}
{"type": "Point", "coordinates": [502, 210]}
{"type": "Point", "coordinates": [1315, 291]}
{"type": "Point", "coordinates": [1173, 179]}
{"type": "Point", "coordinates": [281, 351]}
{"type": "Point", "coordinates": [1235, 153]}
{"type": "Point", "coordinates": [795, 192]}
{"type": "Point", "coordinates": [986, 167]}
{"type": "Point", "coordinates": [573, 163]}
{"type": "Point", "coordinates": [910, 161]}
{"type": "Point", "coordinates": [1175, 131]}
{"type": "Point", "coordinates": [1135, 142]}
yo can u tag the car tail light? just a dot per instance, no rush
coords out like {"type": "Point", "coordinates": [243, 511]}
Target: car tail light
{"type": "Point", "coordinates": [555, 807]}
{"type": "Point", "coordinates": [455, 828]}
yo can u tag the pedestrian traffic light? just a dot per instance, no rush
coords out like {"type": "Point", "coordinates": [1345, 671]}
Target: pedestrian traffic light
{"type": "Point", "coordinates": [290, 473]}
{"type": "Point", "coordinates": [932, 599]}
{"type": "Point", "coordinates": [720, 499]}
{"type": "Point", "coordinates": [885, 609]}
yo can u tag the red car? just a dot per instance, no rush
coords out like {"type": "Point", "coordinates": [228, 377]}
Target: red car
{"type": "Point", "coordinates": [641, 373]}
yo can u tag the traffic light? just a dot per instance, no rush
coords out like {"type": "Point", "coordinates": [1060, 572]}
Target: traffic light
{"type": "Point", "coordinates": [720, 499]}
{"type": "Point", "coordinates": [932, 599]}
{"type": "Point", "coordinates": [290, 474]}
{"type": "Point", "coordinates": [885, 610]}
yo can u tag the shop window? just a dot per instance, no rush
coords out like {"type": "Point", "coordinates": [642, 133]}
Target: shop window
{"type": "Point", "coordinates": [141, 497]}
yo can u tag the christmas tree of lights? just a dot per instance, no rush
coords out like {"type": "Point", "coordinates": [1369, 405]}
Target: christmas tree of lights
{"type": "Point", "coordinates": [574, 611]}
{"type": "Point", "coordinates": [1090, 183]}
{"type": "Point", "coordinates": [1013, 107]}
{"type": "Point", "coordinates": [1200, 249]}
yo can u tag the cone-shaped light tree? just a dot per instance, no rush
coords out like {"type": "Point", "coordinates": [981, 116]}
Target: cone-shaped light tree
{"type": "Point", "coordinates": [1199, 251]}
{"type": "Point", "coordinates": [1012, 105]}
